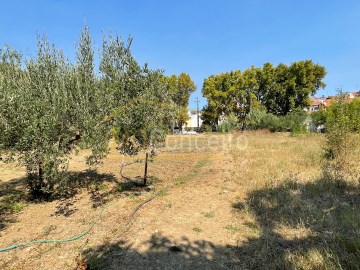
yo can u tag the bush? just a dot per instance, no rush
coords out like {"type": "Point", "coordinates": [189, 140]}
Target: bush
{"type": "Point", "coordinates": [230, 124]}
{"type": "Point", "coordinates": [205, 128]}
{"type": "Point", "coordinates": [353, 112]}
{"type": "Point", "coordinates": [295, 121]}
{"type": "Point", "coordinates": [254, 119]}
{"type": "Point", "coordinates": [318, 118]}
{"type": "Point", "coordinates": [271, 122]}
{"type": "Point", "coordinates": [188, 129]}
{"type": "Point", "coordinates": [342, 145]}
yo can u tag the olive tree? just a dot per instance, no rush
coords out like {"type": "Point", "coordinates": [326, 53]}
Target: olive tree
{"type": "Point", "coordinates": [48, 106]}
{"type": "Point", "coordinates": [142, 107]}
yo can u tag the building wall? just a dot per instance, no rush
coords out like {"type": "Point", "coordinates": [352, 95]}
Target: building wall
{"type": "Point", "coordinates": [192, 122]}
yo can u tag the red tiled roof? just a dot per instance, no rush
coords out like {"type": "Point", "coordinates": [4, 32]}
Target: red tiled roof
{"type": "Point", "coordinates": [355, 94]}
{"type": "Point", "coordinates": [328, 101]}
{"type": "Point", "coordinates": [315, 103]}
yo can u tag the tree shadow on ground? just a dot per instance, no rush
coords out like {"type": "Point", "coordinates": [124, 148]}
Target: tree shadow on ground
{"type": "Point", "coordinates": [93, 181]}
{"type": "Point", "coordinates": [162, 253]}
{"type": "Point", "coordinates": [315, 225]}
{"type": "Point", "coordinates": [13, 196]}
{"type": "Point", "coordinates": [293, 225]}
{"type": "Point", "coordinates": [86, 179]}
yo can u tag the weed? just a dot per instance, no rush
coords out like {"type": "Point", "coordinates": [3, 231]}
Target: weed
{"type": "Point", "coordinates": [75, 248]}
{"type": "Point", "coordinates": [201, 163]}
{"type": "Point", "coordinates": [340, 158]}
{"type": "Point", "coordinates": [12, 203]}
{"type": "Point", "coordinates": [193, 174]}
{"type": "Point", "coordinates": [48, 229]}
{"type": "Point", "coordinates": [208, 214]}
{"type": "Point", "coordinates": [154, 180]}
{"type": "Point", "coordinates": [169, 205]}
{"type": "Point", "coordinates": [197, 229]}
{"type": "Point", "coordinates": [101, 187]}
{"type": "Point", "coordinates": [120, 188]}
{"type": "Point", "coordinates": [17, 207]}
{"type": "Point", "coordinates": [83, 221]}
{"type": "Point", "coordinates": [182, 179]}
{"type": "Point", "coordinates": [162, 192]}
{"type": "Point", "coordinates": [232, 228]}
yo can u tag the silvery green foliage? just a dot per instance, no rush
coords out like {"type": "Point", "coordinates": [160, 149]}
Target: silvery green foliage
{"type": "Point", "coordinates": [143, 107]}
{"type": "Point", "coordinates": [47, 107]}
{"type": "Point", "coordinates": [50, 106]}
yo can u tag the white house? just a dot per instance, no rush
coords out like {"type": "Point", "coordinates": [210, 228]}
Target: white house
{"type": "Point", "coordinates": [192, 123]}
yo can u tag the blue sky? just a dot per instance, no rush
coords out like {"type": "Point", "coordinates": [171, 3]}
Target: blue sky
{"type": "Point", "coordinates": [202, 37]}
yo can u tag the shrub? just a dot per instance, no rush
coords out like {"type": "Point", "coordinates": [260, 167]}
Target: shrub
{"type": "Point", "coordinates": [254, 118]}
{"type": "Point", "coordinates": [295, 121]}
{"type": "Point", "coordinates": [319, 117]}
{"type": "Point", "coordinates": [205, 128]}
{"type": "Point", "coordinates": [188, 129]}
{"type": "Point", "coordinates": [230, 124]}
{"type": "Point", "coordinates": [353, 112]}
{"type": "Point", "coordinates": [341, 145]}
{"type": "Point", "coordinates": [271, 122]}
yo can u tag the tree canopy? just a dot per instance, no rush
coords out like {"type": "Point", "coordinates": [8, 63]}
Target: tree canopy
{"type": "Point", "coordinates": [180, 88]}
{"type": "Point", "coordinates": [278, 90]}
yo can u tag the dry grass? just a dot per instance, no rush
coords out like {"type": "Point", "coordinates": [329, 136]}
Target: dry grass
{"type": "Point", "coordinates": [300, 219]}
{"type": "Point", "coordinates": [254, 200]}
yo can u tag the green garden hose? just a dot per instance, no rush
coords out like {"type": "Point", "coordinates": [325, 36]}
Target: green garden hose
{"type": "Point", "coordinates": [41, 241]}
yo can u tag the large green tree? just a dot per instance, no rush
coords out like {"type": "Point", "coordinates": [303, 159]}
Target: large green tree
{"type": "Point", "coordinates": [216, 89]}
{"type": "Point", "coordinates": [243, 95]}
{"type": "Point", "coordinates": [292, 86]}
{"type": "Point", "coordinates": [232, 92]}
{"type": "Point", "coordinates": [278, 90]}
{"type": "Point", "coordinates": [180, 88]}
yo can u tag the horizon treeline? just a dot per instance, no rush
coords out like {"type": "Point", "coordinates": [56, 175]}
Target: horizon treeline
{"type": "Point", "coordinates": [274, 89]}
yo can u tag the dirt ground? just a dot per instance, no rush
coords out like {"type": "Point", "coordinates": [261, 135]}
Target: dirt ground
{"type": "Point", "coordinates": [190, 212]}
{"type": "Point", "coordinates": [202, 216]}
